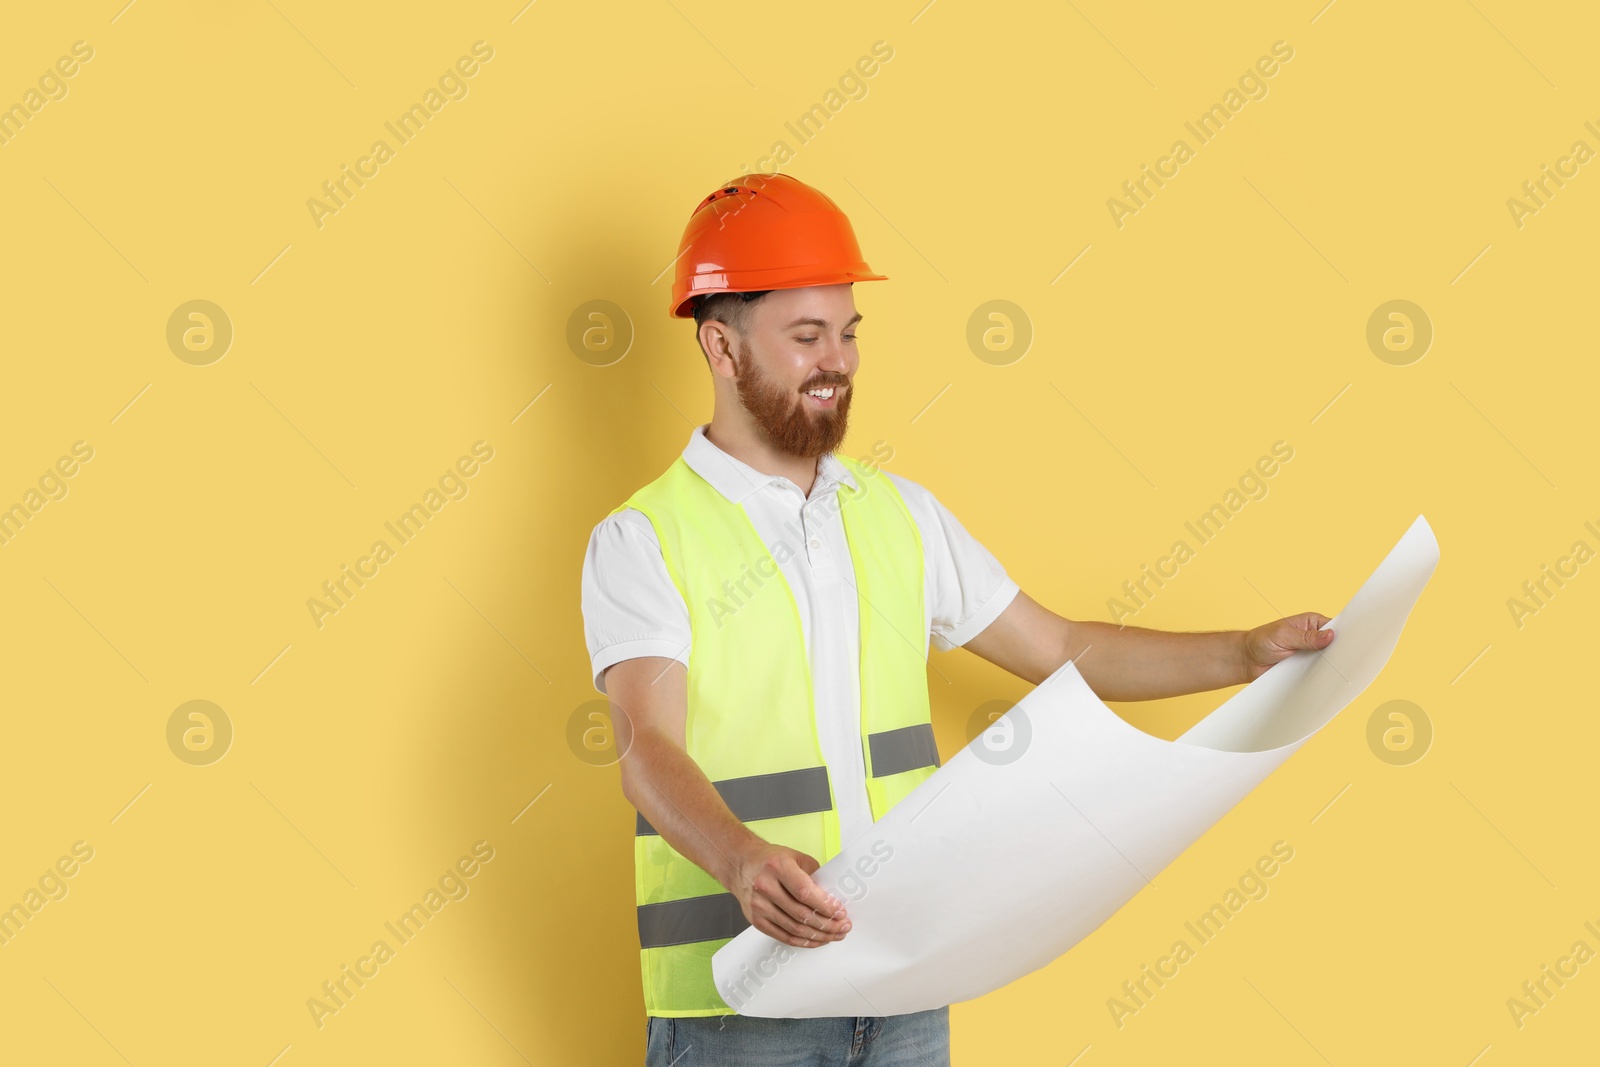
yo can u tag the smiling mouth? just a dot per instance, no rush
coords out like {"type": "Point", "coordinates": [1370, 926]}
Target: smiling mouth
{"type": "Point", "coordinates": [825, 396]}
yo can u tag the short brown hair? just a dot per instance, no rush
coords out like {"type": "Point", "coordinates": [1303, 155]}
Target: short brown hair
{"type": "Point", "coordinates": [731, 308]}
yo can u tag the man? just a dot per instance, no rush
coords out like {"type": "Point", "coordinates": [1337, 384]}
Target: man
{"type": "Point", "coordinates": [760, 615]}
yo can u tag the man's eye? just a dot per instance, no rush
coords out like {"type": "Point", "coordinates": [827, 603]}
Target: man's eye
{"type": "Point", "coordinates": [805, 340]}
{"type": "Point", "coordinates": [849, 337]}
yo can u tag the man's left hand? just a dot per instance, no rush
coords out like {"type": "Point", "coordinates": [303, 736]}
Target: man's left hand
{"type": "Point", "coordinates": [1277, 641]}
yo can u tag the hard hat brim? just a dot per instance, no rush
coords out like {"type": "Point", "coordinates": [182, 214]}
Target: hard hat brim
{"type": "Point", "coordinates": [744, 284]}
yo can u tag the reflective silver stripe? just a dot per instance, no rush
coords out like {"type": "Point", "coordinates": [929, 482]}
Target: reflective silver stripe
{"type": "Point", "coordinates": [678, 922]}
{"type": "Point", "coordinates": [904, 749]}
{"type": "Point", "coordinates": [769, 796]}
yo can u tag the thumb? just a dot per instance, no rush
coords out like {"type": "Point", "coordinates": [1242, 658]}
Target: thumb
{"type": "Point", "coordinates": [1314, 638]}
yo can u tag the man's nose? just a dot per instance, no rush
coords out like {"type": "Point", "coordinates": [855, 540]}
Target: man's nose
{"type": "Point", "coordinates": [836, 359]}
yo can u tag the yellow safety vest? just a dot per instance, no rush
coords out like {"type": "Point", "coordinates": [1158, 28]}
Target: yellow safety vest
{"type": "Point", "coordinates": [751, 723]}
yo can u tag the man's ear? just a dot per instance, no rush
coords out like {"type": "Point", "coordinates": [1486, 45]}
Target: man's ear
{"type": "Point", "coordinates": [717, 341]}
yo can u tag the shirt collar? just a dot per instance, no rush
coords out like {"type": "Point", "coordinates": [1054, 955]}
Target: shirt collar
{"type": "Point", "coordinates": [736, 479]}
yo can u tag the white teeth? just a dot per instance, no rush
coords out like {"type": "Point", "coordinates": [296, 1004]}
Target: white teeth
{"type": "Point", "coordinates": [823, 394]}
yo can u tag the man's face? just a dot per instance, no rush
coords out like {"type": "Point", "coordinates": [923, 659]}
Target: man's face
{"type": "Point", "coordinates": [800, 340]}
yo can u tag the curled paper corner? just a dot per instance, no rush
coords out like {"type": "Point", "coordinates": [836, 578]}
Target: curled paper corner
{"type": "Point", "coordinates": [944, 891]}
{"type": "Point", "coordinates": [1298, 696]}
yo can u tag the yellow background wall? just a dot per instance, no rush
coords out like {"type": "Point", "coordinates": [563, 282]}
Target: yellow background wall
{"type": "Point", "coordinates": [372, 347]}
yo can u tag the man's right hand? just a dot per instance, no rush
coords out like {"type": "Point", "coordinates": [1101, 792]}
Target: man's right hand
{"type": "Point", "coordinates": [778, 896]}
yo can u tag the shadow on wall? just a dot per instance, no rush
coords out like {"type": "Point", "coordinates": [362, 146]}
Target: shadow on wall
{"type": "Point", "coordinates": [559, 942]}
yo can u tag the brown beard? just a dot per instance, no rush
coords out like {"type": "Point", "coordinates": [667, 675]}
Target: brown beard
{"type": "Point", "coordinates": [780, 414]}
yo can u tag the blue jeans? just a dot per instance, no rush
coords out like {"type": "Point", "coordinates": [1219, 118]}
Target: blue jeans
{"type": "Point", "coordinates": [921, 1039]}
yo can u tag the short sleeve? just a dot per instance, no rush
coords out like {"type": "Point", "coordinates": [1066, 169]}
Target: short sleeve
{"type": "Point", "coordinates": [631, 608]}
{"type": "Point", "coordinates": [967, 588]}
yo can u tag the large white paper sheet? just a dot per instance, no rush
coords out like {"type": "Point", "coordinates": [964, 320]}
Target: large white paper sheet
{"type": "Point", "coordinates": [1037, 832]}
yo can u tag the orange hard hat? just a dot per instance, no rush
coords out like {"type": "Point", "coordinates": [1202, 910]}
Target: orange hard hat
{"type": "Point", "coordinates": [764, 231]}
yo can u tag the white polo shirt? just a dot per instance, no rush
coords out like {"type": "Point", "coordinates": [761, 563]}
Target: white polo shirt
{"type": "Point", "coordinates": [631, 607]}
